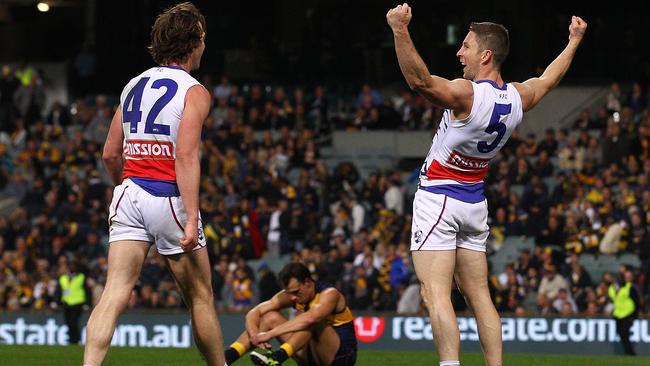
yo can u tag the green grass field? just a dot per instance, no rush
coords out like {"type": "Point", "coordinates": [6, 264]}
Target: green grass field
{"type": "Point", "coordinates": [72, 355]}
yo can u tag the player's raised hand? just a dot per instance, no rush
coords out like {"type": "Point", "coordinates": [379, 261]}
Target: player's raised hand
{"type": "Point", "coordinates": [399, 16]}
{"type": "Point", "coordinates": [191, 238]}
{"type": "Point", "coordinates": [577, 28]}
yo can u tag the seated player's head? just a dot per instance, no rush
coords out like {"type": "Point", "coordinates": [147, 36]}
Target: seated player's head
{"type": "Point", "coordinates": [178, 36]}
{"type": "Point", "coordinates": [297, 282]}
{"type": "Point", "coordinates": [485, 46]}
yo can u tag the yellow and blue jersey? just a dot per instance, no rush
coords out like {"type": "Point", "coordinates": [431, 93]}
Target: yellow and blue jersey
{"type": "Point", "coordinates": [342, 321]}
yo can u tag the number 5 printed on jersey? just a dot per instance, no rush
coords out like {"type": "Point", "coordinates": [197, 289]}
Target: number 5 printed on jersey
{"type": "Point", "coordinates": [495, 125]}
{"type": "Point", "coordinates": [134, 101]}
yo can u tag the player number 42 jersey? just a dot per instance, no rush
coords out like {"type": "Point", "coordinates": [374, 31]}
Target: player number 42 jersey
{"type": "Point", "coordinates": [152, 107]}
{"type": "Point", "coordinates": [461, 150]}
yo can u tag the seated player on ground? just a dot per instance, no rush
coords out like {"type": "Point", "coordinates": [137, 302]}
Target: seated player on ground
{"type": "Point", "coordinates": [321, 334]}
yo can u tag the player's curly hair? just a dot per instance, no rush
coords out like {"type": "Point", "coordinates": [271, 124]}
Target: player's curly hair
{"type": "Point", "coordinates": [493, 37]}
{"type": "Point", "coordinates": [295, 270]}
{"type": "Point", "coordinates": [176, 33]}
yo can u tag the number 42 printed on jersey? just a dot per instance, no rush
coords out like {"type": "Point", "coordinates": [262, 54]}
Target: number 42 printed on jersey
{"type": "Point", "coordinates": [133, 101]}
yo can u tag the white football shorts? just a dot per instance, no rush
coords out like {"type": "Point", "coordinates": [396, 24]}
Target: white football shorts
{"type": "Point", "coordinates": [135, 214]}
{"type": "Point", "coordinates": [441, 222]}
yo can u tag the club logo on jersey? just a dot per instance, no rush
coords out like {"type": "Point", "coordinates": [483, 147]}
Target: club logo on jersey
{"type": "Point", "coordinates": [369, 329]}
{"type": "Point", "coordinates": [467, 162]}
{"type": "Point", "coordinates": [148, 149]}
{"type": "Point", "coordinates": [418, 236]}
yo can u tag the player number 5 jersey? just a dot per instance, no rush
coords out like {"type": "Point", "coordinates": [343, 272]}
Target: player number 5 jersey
{"type": "Point", "coordinates": [461, 150]}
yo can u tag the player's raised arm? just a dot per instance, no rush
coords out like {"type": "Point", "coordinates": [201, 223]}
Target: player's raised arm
{"type": "Point", "coordinates": [112, 154]}
{"type": "Point", "coordinates": [188, 170]}
{"type": "Point", "coordinates": [533, 90]}
{"type": "Point", "coordinates": [455, 95]}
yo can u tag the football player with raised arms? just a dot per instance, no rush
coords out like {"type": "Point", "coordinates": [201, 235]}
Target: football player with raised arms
{"type": "Point", "coordinates": [449, 227]}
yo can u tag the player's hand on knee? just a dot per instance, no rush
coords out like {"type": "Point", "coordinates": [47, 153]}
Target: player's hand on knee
{"type": "Point", "coordinates": [261, 340]}
{"type": "Point", "coordinates": [191, 238]}
{"type": "Point", "coordinates": [399, 16]}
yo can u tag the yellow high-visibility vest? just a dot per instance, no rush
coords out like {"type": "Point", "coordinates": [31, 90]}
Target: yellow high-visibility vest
{"type": "Point", "coordinates": [73, 289]}
{"type": "Point", "coordinates": [25, 75]}
{"type": "Point", "coordinates": [623, 304]}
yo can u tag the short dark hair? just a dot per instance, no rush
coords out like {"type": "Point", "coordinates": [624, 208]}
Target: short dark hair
{"type": "Point", "coordinates": [493, 37]}
{"type": "Point", "coordinates": [295, 270]}
{"type": "Point", "coordinates": [176, 33]}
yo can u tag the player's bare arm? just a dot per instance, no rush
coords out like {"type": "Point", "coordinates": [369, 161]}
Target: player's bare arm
{"type": "Point", "coordinates": [533, 90]}
{"type": "Point", "coordinates": [455, 95]}
{"type": "Point", "coordinates": [112, 154]}
{"type": "Point", "coordinates": [253, 317]}
{"type": "Point", "coordinates": [188, 171]}
{"type": "Point", "coordinates": [323, 308]}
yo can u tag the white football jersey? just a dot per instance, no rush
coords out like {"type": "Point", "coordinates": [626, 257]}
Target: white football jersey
{"type": "Point", "coordinates": [152, 107]}
{"type": "Point", "coordinates": [461, 150]}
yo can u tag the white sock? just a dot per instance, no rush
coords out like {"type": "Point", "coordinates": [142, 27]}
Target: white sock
{"type": "Point", "coordinates": [449, 363]}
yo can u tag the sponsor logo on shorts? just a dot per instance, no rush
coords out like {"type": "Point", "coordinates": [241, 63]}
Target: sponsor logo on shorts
{"type": "Point", "coordinates": [146, 149]}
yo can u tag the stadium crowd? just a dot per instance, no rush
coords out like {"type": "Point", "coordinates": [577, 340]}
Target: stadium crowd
{"type": "Point", "coordinates": [266, 189]}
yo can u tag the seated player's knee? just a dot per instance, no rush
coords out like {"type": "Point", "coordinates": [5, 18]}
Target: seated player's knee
{"type": "Point", "coordinates": [272, 319]}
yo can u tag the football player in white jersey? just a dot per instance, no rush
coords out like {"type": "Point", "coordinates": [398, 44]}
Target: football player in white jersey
{"type": "Point", "coordinates": [449, 227]}
{"type": "Point", "coordinates": [152, 155]}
